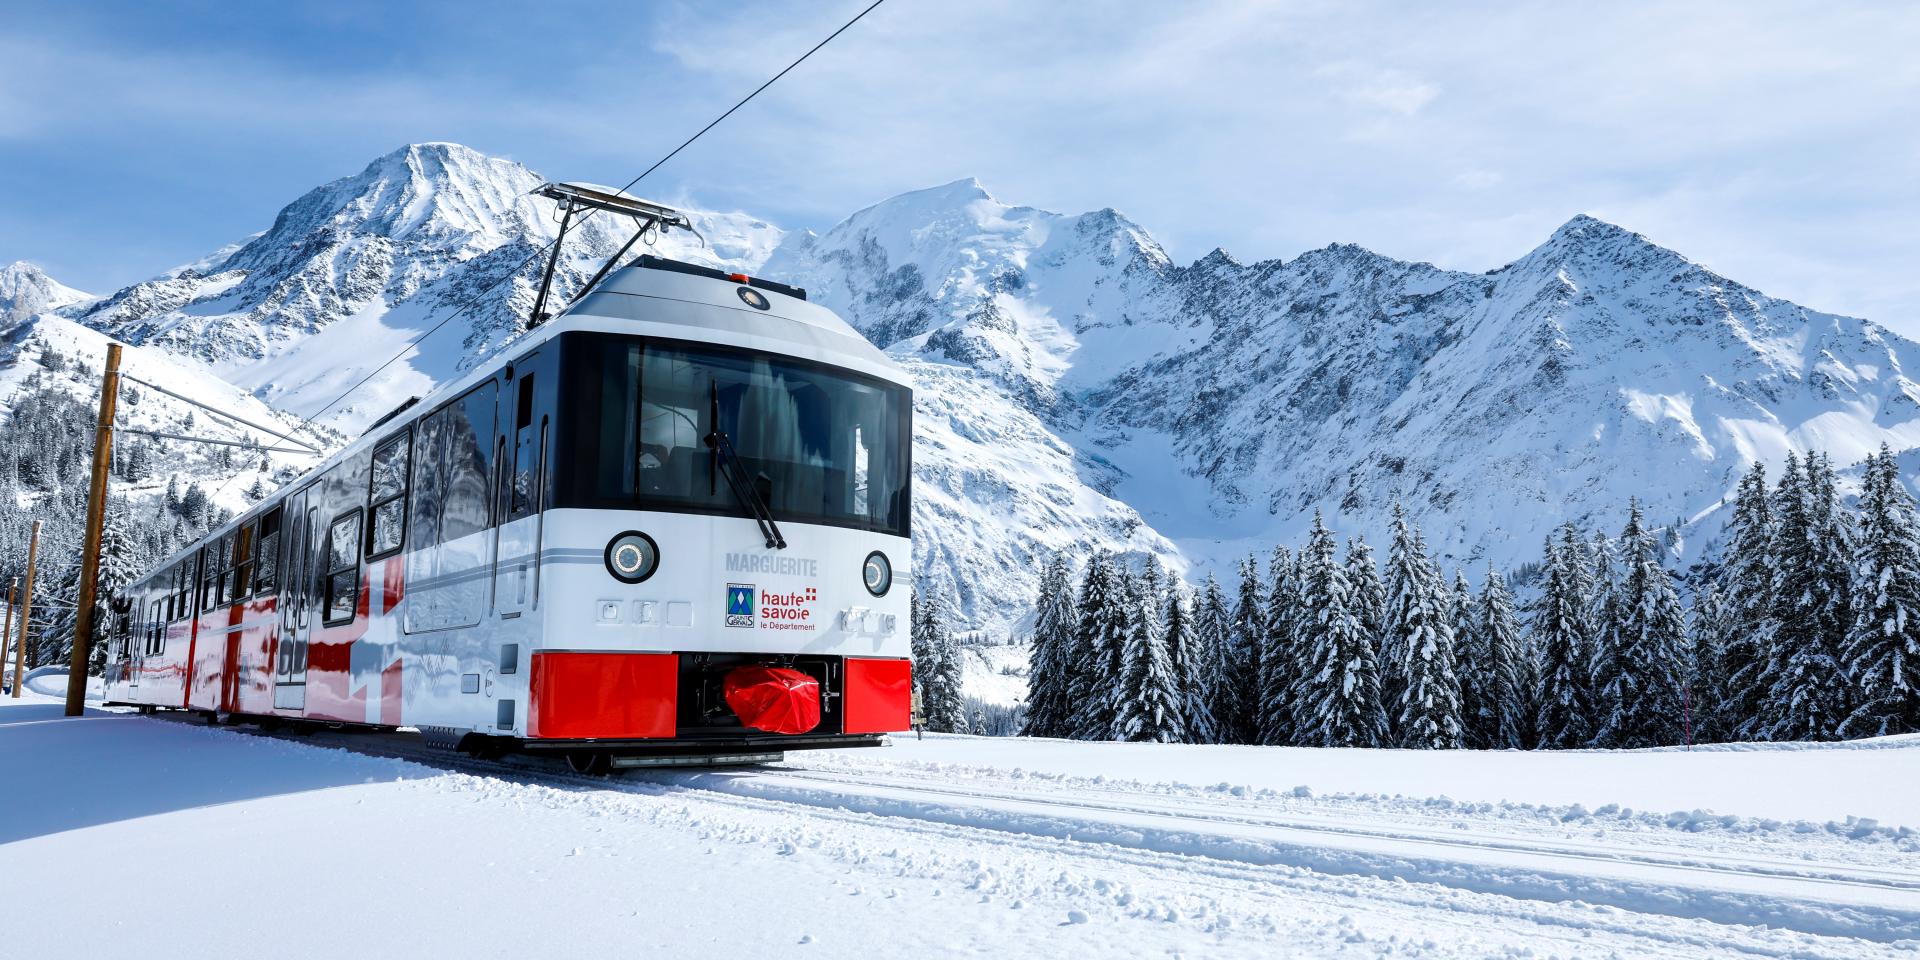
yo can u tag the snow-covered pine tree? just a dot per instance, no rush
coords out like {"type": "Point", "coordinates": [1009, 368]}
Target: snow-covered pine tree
{"type": "Point", "coordinates": [1603, 614]}
{"type": "Point", "coordinates": [1148, 707]}
{"type": "Point", "coordinates": [936, 668]}
{"type": "Point", "coordinates": [1746, 588]}
{"type": "Point", "coordinates": [953, 711]}
{"type": "Point", "coordinates": [1563, 716]}
{"type": "Point", "coordinates": [1882, 651]}
{"type": "Point", "coordinates": [1369, 595]}
{"type": "Point", "coordinates": [1428, 713]}
{"type": "Point", "coordinates": [1506, 671]}
{"type": "Point", "coordinates": [1401, 573]}
{"type": "Point", "coordinates": [1239, 699]}
{"type": "Point", "coordinates": [1712, 620]}
{"type": "Point", "coordinates": [1104, 622]}
{"type": "Point", "coordinates": [1340, 689]}
{"type": "Point", "coordinates": [1212, 634]}
{"type": "Point", "coordinates": [1641, 665]}
{"type": "Point", "coordinates": [1279, 657]}
{"type": "Point", "coordinates": [1474, 666]}
{"type": "Point", "coordinates": [1049, 710]}
{"type": "Point", "coordinates": [1807, 696]}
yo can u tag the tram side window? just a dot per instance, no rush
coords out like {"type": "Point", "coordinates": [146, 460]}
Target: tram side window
{"type": "Point", "coordinates": [469, 466]}
{"type": "Point", "coordinates": [266, 572]}
{"type": "Point", "coordinates": [240, 564]}
{"type": "Point", "coordinates": [520, 492]}
{"type": "Point", "coordinates": [183, 589]}
{"type": "Point", "coordinates": [387, 496]}
{"type": "Point", "coordinates": [155, 631]}
{"type": "Point", "coordinates": [343, 567]}
{"type": "Point", "coordinates": [429, 479]}
{"type": "Point", "coordinates": [212, 565]}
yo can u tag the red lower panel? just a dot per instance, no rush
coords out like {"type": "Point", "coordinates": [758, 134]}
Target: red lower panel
{"type": "Point", "coordinates": [879, 695]}
{"type": "Point", "coordinates": [604, 696]}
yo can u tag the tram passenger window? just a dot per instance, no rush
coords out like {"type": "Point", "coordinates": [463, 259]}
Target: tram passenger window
{"type": "Point", "coordinates": [469, 465]}
{"type": "Point", "coordinates": [429, 479]}
{"type": "Point", "coordinates": [387, 500]}
{"type": "Point", "coordinates": [212, 565]}
{"type": "Point", "coordinates": [343, 567]}
{"type": "Point", "coordinates": [520, 493]}
{"type": "Point", "coordinates": [266, 576]}
{"type": "Point", "coordinates": [240, 561]}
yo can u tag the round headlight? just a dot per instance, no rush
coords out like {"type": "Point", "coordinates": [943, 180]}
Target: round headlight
{"type": "Point", "coordinates": [878, 573]}
{"type": "Point", "coordinates": [632, 557]}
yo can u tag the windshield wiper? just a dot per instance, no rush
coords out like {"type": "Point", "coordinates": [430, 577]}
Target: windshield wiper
{"type": "Point", "coordinates": [724, 461]}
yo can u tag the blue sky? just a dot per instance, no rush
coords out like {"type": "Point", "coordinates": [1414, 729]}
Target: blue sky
{"type": "Point", "coordinates": [1775, 143]}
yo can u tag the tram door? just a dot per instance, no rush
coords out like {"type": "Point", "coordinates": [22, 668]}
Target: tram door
{"type": "Point", "coordinates": [522, 453]}
{"type": "Point", "coordinates": [298, 598]}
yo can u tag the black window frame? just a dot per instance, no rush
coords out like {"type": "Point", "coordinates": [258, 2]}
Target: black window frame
{"type": "Point", "coordinates": [265, 578]}
{"type": "Point", "coordinates": [240, 554]}
{"type": "Point", "coordinates": [330, 573]}
{"type": "Point", "coordinates": [577, 414]}
{"type": "Point", "coordinates": [213, 567]}
{"type": "Point", "coordinates": [155, 631]}
{"type": "Point", "coordinates": [403, 497]}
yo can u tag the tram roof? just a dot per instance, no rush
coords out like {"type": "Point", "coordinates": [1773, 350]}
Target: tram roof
{"type": "Point", "coordinates": [669, 303]}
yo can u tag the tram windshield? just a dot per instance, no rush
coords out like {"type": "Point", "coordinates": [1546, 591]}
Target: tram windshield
{"type": "Point", "coordinates": [822, 445]}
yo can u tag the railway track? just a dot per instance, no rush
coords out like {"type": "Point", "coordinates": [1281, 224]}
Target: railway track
{"type": "Point", "coordinates": [1240, 844]}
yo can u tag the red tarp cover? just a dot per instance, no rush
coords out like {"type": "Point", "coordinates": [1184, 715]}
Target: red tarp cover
{"type": "Point", "coordinates": [774, 699]}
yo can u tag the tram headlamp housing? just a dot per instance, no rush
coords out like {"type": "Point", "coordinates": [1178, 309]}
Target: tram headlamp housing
{"type": "Point", "coordinates": [632, 557]}
{"type": "Point", "coordinates": [877, 574]}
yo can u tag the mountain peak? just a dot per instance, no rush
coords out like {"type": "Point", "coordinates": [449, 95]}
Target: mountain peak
{"type": "Point", "coordinates": [26, 290]}
{"type": "Point", "coordinates": [1594, 246]}
{"type": "Point", "coordinates": [1586, 227]}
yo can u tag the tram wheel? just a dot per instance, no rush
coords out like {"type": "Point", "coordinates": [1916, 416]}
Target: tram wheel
{"type": "Point", "coordinates": [591, 763]}
{"type": "Point", "coordinates": [486, 749]}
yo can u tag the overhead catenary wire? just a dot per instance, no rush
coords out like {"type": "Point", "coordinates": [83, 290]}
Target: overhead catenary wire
{"type": "Point", "coordinates": [475, 300]}
{"type": "Point", "coordinates": [216, 411]}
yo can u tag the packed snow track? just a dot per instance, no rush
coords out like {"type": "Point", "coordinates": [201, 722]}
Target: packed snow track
{"type": "Point", "coordinates": [942, 854]}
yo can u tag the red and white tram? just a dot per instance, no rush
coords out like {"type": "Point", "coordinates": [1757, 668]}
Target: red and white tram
{"type": "Point", "coordinates": [668, 525]}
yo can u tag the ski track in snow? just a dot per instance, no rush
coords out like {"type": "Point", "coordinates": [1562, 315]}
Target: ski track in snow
{"type": "Point", "coordinates": [1142, 868]}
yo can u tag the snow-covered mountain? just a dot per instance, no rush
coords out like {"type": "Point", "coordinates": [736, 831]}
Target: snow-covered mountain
{"type": "Point", "coordinates": [26, 290]}
{"type": "Point", "coordinates": [1078, 389]}
{"type": "Point", "coordinates": [358, 267]}
{"type": "Point", "coordinates": [1226, 402]}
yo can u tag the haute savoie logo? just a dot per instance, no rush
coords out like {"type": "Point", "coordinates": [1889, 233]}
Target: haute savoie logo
{"type": "Point", "coordinates": [739, 604]}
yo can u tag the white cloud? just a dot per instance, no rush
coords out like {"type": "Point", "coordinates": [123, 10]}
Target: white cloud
{"type": "Point", "coordinates": [1383, 88]}
{"type": "Point", "coordinates": [1772, 141]}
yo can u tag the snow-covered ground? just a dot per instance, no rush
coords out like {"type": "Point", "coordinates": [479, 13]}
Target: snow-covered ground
{"type": "Point", "coordinates": [212, 842]}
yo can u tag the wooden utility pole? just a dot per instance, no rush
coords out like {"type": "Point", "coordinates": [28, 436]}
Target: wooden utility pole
{"type": "Point", "coordinates": [90, 550]}
{"type": "Point", "coordinates": [26, 610]}
{"type": "Point", "coordinates": [6, 636]}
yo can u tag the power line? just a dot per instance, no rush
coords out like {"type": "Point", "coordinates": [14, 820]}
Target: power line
{"type": "Point", "coordinates": [489, 288]}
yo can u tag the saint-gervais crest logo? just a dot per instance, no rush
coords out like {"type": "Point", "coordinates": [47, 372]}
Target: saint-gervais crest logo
{"type": "Point", "coordinates": [739, 604]}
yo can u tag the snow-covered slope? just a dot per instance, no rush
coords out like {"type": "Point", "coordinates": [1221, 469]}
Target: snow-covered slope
{"type": "Point", "coordinates": [1228, 401]}
{"type": "Point", "coordinates": [351, 271]}
{"type": "Point", "coordinates": [50, 351]}
{"type": "Point", "coordinates": [26, 290]}
{"type": "Point", "coordinates": [951, 846]}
